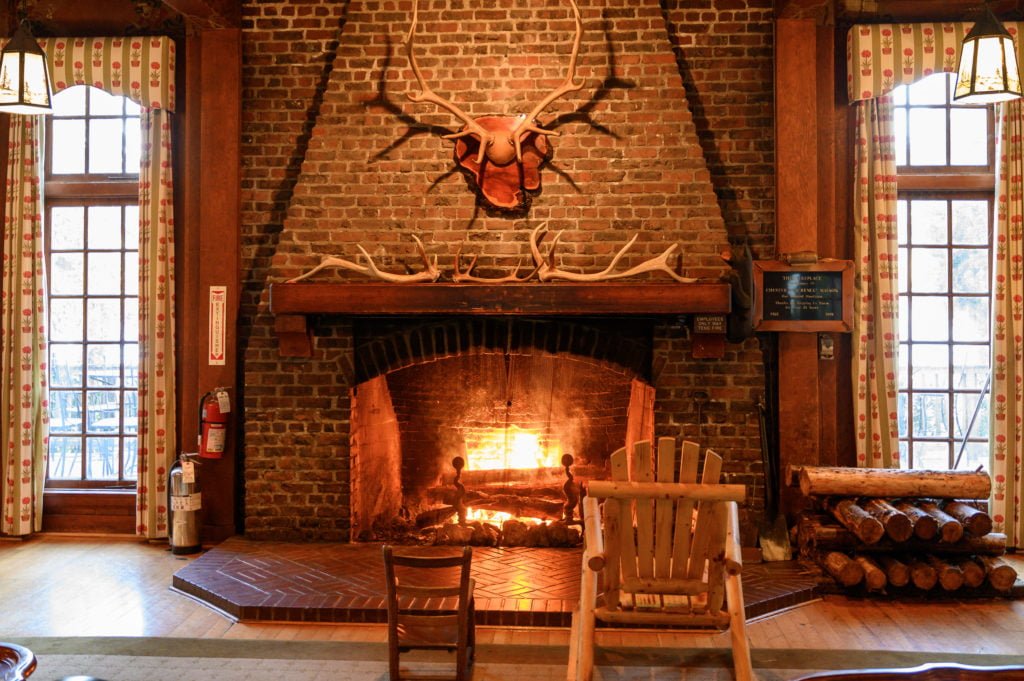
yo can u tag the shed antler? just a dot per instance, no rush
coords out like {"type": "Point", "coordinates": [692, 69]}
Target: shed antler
{"type": "Point", "coordinates": [430, 272]}
{"type": "Point", "coordinates": [546, 269]}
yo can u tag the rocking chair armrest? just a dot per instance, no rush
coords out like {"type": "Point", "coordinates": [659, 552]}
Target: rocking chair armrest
{"type": "Point", "coordinates": [733, 551]}
{"type": "Point", "coordinates": [593, 553]}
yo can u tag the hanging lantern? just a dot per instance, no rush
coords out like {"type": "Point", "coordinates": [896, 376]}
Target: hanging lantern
{"type": "Point", "coordinates": [988, 63]}
{"type": "Point", "coordinates": [24, 77]}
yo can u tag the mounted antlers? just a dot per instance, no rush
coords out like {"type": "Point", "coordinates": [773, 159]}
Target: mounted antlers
{"type": "Point", "coordinates": [430, 273]}
{"type": "Point", "coordinates": [458, 276]}
{"type": "Point", "coordinates": [500, 139]}
{"type": "Point", "coordinates": [544, 266]}
{"type": "Point", "coordinates": [547, 270]}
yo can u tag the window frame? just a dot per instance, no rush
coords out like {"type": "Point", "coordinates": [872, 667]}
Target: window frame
{"type": "Point", "coordinates": [946, 183]}
{"type": "Point", "coordinates": [89, 190]}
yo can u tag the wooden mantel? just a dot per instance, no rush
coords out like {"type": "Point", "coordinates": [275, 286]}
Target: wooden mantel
{"type": "Point", "coordinates": [292, 303]}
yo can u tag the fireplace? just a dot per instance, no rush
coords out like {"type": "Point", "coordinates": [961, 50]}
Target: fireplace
{"type": "Point", "coordinates": [481, 429]}
{"type": "Point", "coordinates": [628, 163]}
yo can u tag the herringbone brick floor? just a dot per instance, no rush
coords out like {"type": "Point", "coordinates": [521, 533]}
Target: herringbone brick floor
{"type": "Point", "coordinates": [301, 582]}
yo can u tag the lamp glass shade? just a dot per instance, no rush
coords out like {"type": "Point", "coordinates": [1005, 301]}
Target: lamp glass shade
{"type": "Point", "coordinates": [24, 78]}
{"type": "Point", "coordinates": [988, 69]}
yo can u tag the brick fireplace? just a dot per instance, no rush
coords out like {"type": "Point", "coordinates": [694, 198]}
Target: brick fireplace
{"type": "Point", "coordinates": [375, 172]}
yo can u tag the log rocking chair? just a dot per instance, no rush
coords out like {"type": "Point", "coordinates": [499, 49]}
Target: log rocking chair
{"type": "Point", "coordinates": [660, 551]}
{"type": "Point", "coordinates": [428, 609]}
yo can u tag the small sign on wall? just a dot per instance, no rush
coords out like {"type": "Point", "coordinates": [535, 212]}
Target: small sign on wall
{"type": "Point", "coordinates": [218, 312]}
{"type": "Point", "coordinates": [812, 297]}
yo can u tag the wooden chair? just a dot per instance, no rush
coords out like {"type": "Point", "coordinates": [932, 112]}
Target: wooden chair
{"type": "Point", "coordinates": [428, 609]}
{"type": "Point", "coordinates": [667, 552]}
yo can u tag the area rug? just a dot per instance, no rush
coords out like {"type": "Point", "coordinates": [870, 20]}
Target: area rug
{"type": "Point", "coordinates": [186, 659]}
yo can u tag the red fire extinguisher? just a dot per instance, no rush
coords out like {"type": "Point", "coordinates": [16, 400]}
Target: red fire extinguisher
{"type": "Point", "coordinates": [214, 407]}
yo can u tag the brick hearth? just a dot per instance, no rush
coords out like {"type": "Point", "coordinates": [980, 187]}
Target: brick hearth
{"type": "Point", "coordinates": [316, 582]}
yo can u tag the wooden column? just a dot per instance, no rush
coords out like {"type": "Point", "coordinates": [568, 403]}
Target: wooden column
{"type": "Point", "coordinates": [805, 213]}
{"type": "Point", "coordinates": [209, 255]}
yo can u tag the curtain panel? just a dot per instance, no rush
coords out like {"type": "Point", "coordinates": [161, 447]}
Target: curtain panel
{"type": "Point", "coordinates": [875, 337]}
{"type": "Point", "coordinates": [1007, 400]}
{"type": "Point", "coordinates": [23, 354]}
{"type": "Point", "coordinates": [142, 69]}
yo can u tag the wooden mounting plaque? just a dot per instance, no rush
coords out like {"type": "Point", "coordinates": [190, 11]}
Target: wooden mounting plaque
{"type": "Point", "coordinates": [803, 298]}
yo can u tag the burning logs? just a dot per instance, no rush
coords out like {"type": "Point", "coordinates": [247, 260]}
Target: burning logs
{"type": "Point", "coordinates": [877, 530]}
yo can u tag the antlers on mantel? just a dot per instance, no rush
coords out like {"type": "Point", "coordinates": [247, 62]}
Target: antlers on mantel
{"type": "Point", "coordinates": [544, 266]}
{"type": "Point", "coordinates": [430, 272]}
{"type": "Point", "coordinates": [546, 269]}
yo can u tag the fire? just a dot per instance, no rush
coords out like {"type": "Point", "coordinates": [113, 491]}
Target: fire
{"type": "Point", "coordinates": [511, 447]}
{"type": "Point", "coordinates": [485, 516]}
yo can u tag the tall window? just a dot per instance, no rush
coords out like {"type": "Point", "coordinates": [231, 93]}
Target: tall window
{"type": "Point", "coordinates": [92, 219]}
{"type": "Point", "coordinates": [945, 161]}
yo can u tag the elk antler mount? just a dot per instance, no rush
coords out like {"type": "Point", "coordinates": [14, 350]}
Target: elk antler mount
{"type": "Point", "coordinates": [544, 266]}
{"type": "Point", "coordinates": [502, 153]}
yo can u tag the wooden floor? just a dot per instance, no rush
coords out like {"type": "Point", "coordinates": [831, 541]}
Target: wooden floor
{"type": "Point", "coordinates": [101, 586]}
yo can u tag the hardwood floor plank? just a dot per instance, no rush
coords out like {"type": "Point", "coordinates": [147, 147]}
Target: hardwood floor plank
{"type": "Point", "coordinates": [119, 586]}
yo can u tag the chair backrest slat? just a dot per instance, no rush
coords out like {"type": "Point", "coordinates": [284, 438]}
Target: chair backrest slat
{"type": "Point", "coordinates": [716, 556]}
{"type": "Point", "coordinates": [626, 540]}
{"type": "Point", "coordinates": [642, 472]}
{"type": "Point", "coordinates": [612, 552]}
{"type": "Point", "coordinates": [702, 527]}
{"type": "Point", "coordinates": [690, 456]}
{"type": "Point", "coordinates": [664, 510]}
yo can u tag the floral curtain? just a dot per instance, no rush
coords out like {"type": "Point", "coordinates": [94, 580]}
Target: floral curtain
{"type": "Point", "coordinates": [142, 69]}
{"type": "Point", "coordinates": [156, 324]}
{"type": "Point", "coordinates": [23, 362]}
{"type": "Point", "coordinates": [1007, 400]}
{"type": "Point", "coordinates": [875, 340]}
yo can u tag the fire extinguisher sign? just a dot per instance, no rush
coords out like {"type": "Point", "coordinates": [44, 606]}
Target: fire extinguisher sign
{"type": "Point", "coordinates": [218, 311]}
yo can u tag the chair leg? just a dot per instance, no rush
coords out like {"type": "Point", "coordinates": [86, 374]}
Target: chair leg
{"type": "Point", "coordinates": [738, 629]}
{"type": "Point", "coordinates": [394, 673]}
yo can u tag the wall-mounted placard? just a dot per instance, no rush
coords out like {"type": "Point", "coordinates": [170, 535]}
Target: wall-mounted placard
{"type": "Point", "coordinates": [813, 297]}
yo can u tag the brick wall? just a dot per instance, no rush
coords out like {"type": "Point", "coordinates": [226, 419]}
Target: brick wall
{"type": "Point", "coordinates": [335, 155]}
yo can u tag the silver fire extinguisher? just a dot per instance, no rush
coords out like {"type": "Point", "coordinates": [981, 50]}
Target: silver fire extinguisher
{"type": "Point", "coordinates": [184, 503]}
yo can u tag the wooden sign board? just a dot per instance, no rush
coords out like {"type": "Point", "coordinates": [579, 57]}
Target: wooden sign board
{"type": "Point", "coordinates": [814, 297]}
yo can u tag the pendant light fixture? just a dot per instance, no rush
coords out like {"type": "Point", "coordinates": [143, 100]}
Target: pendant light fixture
{"type": "Point", "coordinates": [988, 63]}
{"type": "Point", "coordinates": [24, 77]}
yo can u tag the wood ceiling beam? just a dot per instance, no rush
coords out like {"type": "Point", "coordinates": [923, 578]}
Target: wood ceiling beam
{"type": "Point", "coordinates": [208, 13]}
{"type": "Point", "coordinates": [873, 11]}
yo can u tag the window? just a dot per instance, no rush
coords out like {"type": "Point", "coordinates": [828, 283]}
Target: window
{"type": "Point", "coordinates": [945, 161]}
{"type": "Point", "coordinates": [92, 219]}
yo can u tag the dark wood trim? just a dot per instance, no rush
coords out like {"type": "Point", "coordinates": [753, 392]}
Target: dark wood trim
{"type": "Point", "coordinates": [946, 181]}
{"type": "Point", "coordinates": [109, 189]}
{"type": "Point", "coordinates": [503, 299]}
{"type": "Point", "coordinates": [80, 510]}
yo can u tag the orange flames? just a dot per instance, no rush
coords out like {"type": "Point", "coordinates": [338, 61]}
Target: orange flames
{"type": "Point", "coordinates": [511, 447]}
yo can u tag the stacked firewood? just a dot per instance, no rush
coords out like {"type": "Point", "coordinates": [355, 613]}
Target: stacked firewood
{"type": "Point", "coordinates": [874, 529]}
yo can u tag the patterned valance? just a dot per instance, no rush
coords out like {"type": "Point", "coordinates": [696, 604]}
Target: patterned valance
{"type": "Point", "coordinates": [140, 68]}
{"type": "Point", "coordinates": [881, 56]}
